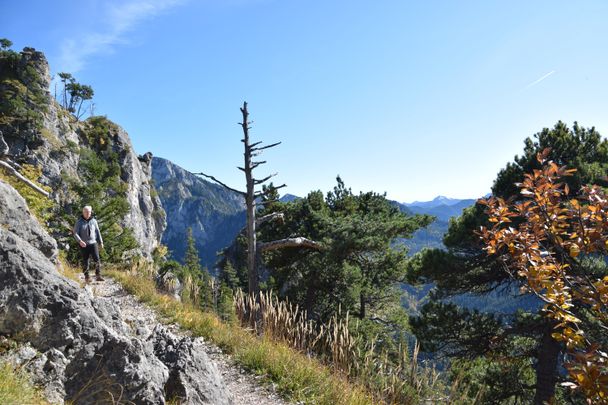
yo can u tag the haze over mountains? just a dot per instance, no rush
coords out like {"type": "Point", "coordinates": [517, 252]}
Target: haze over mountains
{"type": "Point", "coordinates": [441, 207]}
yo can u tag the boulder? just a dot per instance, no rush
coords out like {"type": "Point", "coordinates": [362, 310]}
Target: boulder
{"type": "Point", "coordinates": [16, 217]}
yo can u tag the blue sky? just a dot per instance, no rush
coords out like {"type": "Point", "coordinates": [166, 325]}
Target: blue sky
{"type": "Point", "coordinates": [412, 98]}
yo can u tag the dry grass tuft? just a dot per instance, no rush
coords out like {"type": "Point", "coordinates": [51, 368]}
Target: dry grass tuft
{"type": "Point", "coordinates": [396, 381]}
{"type": "Point", "coordinates": [15, 387]}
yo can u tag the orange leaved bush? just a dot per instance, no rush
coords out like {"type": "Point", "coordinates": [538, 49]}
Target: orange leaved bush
{"type": "Point", "coordinates": [544, 239]}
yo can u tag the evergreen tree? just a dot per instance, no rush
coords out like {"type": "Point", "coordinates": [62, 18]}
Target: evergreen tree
{"type": "Point", "coordinates": [225, 305]}
{"type": "Point", "coordinates": [199, 276]}
{"type": "Point", "coordinates": [229, 277]}
{"type": "Point", "coordinates": [100, 185]}
{"type": "Point", "coordinates": [5, 44]}
{"type": "Point", "coordinates": [359, 269]}
{"type": "Point", "coordinates": [522, 341]}
{"type": "Point", "coordinates": [192, 262]}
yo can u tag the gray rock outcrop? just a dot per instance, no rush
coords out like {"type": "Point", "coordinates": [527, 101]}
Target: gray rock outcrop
{"type": "Point", "coordinates": [16, 217]}
{"type": "Point", "coordinates": [54, 142]}
{"type": "Point", "coordinates": [191, 375]}
{"type": "Point", "coordinates": [79, 348]}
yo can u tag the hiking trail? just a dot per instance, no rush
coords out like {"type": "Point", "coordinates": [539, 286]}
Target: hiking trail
{"type": "Point", "coordinates": [242, 387]}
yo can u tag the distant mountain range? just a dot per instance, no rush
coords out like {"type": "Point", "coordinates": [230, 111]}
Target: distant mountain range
{"type": "Point", "coordinates": [437, 201]}
{"type": "Point", "coordinates": [288, 198]}
{"type": "Point", "coordinates": [441, 207]}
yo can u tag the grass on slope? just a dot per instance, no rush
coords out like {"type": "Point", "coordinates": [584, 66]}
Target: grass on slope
{"type": "Point", "coordinates": [298, 377]}
{"type": "Point", "coordinates": [15, 388]}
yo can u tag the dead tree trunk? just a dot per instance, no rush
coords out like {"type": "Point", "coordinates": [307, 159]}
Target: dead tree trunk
{"type": "Point", "coordinates": [22, 178]}
{"type": "Point", "coordinates": [250, 195]}
{"type": "Point", "coordinates": [254, 287]}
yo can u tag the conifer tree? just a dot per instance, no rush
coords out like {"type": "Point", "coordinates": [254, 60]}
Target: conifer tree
{"type": "Point", "coordinates": [192, 262]}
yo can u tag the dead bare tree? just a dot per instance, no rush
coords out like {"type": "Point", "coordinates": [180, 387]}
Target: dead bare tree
{"type": "Point", "coordinates": [251, 195]}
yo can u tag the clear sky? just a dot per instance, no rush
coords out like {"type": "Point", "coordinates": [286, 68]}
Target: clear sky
{"type": "Point", "coordinates": [412, 98]}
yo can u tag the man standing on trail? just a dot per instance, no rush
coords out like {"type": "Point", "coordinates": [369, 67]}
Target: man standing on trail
{"type": "Point", "coordinates": [86, 232]}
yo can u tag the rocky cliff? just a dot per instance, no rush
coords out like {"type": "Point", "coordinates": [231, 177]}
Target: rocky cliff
{"type": "Point", "coordinates": [216, 215]}
{"type": "Point", "coordinates": [77, 346]}
{"type": "Point", "coordinates": [40, 133]}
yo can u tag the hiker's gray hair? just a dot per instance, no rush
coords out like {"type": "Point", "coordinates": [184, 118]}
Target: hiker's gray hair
{"type": "Point", "coordinates": [88, 208]}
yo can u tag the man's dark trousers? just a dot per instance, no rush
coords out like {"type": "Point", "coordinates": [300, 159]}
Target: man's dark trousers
{"type": "Point", "coordinates": [90, 252]}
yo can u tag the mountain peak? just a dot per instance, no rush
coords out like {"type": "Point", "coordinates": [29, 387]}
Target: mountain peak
{"type": "Point", "coordinates": [439, 200]}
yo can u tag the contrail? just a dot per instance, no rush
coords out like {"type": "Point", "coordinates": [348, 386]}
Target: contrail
{"type": "Point", "coordinates": [535, 82]}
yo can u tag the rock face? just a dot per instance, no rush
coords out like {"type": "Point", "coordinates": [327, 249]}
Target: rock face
{"type": "Point", "coordinates": [216, 215]}
{"type": "Point", "coordinates": [79, 347]}
{"type": "Point", "coordinates": [15, 217]}
{"type": "Point", "coordinates": [53, 140]}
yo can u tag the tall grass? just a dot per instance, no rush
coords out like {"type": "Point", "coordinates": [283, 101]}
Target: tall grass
{"type": "Point", "coordinates": [15, 388]}
{"type": "Point", "coordinates": [310, 363]}
{"type": "Point", "coordinates": [399, 380]}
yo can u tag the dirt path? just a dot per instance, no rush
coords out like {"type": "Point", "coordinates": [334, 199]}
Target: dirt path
{"type": "Point", "coordinates": [243, 388]}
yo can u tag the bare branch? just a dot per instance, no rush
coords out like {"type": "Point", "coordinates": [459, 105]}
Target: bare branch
{"type": "Point", "coordinates": [265, 179]}
{"type": "Point", "coordinates": [298, 242]}
{"type": "Point", "coordinates": [256, 164]}
{"type": "Point", "coordinates": [18, 175]}
{"type": "Point", "coordinates": [220, 183]}
{"type": "Point", "coordinates": [269, 217]}
{"type": "Point", "coordinates": [255, 144]}
{"type": "Point", "coordinates": [261, 193]}
{"type": "Point", "coordinates": [272, 145]}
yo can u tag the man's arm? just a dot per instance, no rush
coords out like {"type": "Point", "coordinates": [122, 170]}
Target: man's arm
{"type": "Point", "coordinates": [75, 231]}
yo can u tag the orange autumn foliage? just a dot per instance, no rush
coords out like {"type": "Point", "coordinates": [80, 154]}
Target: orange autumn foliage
{"type": "Point", "coordinates": [541, 240]}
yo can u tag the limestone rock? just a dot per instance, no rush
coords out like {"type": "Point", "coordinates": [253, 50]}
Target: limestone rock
{"type": "Point", "coordinates": [80, 348]}
{"type": "Point", "coordinates": [15, 217]}
{"type": "Point", "coordinates": [192, 375]}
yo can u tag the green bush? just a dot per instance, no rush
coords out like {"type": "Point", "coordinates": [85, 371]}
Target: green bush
{"type": "Point", "coordinates": [23, 98]}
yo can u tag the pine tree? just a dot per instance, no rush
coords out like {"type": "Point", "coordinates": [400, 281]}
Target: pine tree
{"type": "Point", "coordinates": [192, 262]}
{"type": "Point", "coordinates": [359, 270]}
{"type": "Point", "coordinates": [229, 276]}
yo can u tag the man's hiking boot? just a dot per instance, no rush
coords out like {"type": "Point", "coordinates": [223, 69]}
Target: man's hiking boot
{"type": "Point", "coordinates": [87, 279]}
{"type": "Point", "coordinates": [99, 278]}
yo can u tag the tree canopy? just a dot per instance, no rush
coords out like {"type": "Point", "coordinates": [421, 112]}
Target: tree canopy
{"type": "Point", "coordinates": [359, 268]}
{"type": "Point", "coordinates": [524, 337]}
